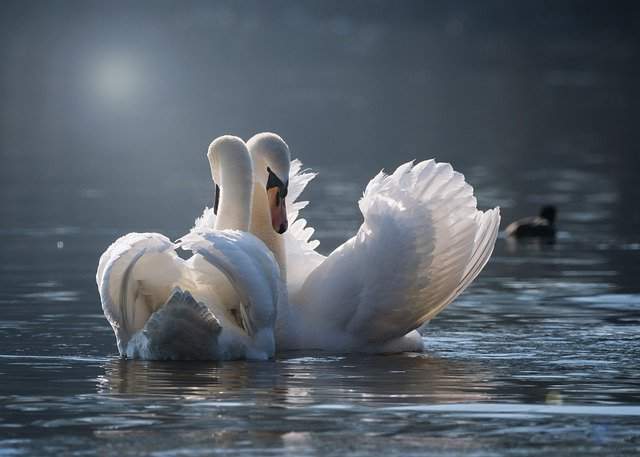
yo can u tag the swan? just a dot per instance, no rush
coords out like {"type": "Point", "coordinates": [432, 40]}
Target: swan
{"type": "Point", "coordinates": [422, 242]}
{"type": "Point", "coordinates": [220, 304]}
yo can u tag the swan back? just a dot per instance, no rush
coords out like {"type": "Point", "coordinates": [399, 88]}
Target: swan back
{"type": "Point", "coordinates": [253, 272]}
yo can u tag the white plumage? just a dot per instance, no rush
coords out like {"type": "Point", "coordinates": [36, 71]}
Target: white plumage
{"type": "Point", "coordinates": [422, 242]}
{"type": "Point", "coordinates": [219, 304]}
{"type": "Point", "coordinates": [162, 307]}
{"type": "Point", "coordinates": [301, 255]}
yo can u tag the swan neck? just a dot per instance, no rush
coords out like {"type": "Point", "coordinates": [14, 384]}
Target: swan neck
{"type": "Point", "coordinates": [236, 185]}
{"type": "Point", "coordinates": [262, 228]}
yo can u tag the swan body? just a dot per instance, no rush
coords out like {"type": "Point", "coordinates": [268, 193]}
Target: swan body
{"type": "Point", "coordinates": [220, 304]}
{"type": "Point", "coordinates": [422, 242]}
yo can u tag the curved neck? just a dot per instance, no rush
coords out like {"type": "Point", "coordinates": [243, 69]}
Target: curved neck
{"type": "Point", "coordinates": [262, 228]}
{"type": "Point", "coordinates": [236, 185]}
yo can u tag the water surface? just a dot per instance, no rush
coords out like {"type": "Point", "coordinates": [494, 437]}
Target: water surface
{"type": "Point", "coordinates": [540, 353]}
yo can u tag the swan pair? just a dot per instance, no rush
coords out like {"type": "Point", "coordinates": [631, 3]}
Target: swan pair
{"type": "Point", "coordinates": [221, 303]}
{"type": "Point", "coordinates": [421, 244]}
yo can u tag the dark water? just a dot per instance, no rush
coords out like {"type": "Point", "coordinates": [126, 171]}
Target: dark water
{"type": "Point", "coordinates": [540, 354]}
{"type": "Point", "coordinates": [535, 102]}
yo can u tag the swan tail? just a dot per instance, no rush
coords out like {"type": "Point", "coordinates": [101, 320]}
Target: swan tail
{"type": "Point", "coordinates": [422, 242]}
{"type": "Point", "coordinates": [181, 329]}
{"type": "Point", "coordinates": [135, 276]}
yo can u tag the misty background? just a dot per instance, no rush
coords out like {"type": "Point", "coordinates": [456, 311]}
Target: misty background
{"type": "Point", "coordinates": [108, 107]}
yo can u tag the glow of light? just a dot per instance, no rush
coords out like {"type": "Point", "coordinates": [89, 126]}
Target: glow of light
{"type": "Point", "coordinates": [116, 78]}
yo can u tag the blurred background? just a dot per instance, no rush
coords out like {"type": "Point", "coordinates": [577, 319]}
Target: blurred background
{"type": "Point", "coordinates": [108, 107]}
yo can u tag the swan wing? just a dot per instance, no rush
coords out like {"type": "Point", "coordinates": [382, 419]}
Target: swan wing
{"type": "Point", "coordinates": [302, 257]}
{"type": "Point", "coordinates": [421, 244]}
{"type": "Point", "coordinates": [253, 272]}
{"type": "Point", "coordinates": [207, 220]}
{"type": "Point", "coordinates": [135, 277]}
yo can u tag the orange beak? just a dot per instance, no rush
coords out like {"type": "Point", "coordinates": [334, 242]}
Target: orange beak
{"type": "Point", "coordinates": [278, 210]}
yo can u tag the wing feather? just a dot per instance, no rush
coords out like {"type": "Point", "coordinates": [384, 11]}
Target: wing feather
{"type": "Point", "coordinates": [421, 244]}
{"type": "Point", "coordinates": [302, 257]}
{"type": "Point", "coordinates": [248, 265]}
{"type": "Point", "coordinates": [135, 276]}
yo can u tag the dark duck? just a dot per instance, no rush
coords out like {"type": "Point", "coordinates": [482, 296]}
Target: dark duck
{"type": "Point", "coordinates": [542, 226]}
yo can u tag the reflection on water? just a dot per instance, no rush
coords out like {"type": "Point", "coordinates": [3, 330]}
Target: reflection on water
{"type": "Point", "coordinates": [306, 379]}
{"type": "Point", "coordinates": [318, 403]}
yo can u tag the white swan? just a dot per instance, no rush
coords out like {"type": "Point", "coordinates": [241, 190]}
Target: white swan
{"type": "Point", "coordinates": [422, 242]}
{"type": "Point", "coordinates": [220, 304]}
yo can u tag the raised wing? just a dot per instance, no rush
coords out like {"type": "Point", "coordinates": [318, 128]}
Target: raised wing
{"type": "Point", "coordinates": [206, 221]}
{"type": "Point", "coordinates": [421, 244]}
{"type": "Point", "coordinates": [302, 257]}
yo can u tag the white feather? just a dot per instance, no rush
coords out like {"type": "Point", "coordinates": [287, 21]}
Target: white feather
{"type": "Point", "coordinates": [301, 255]}
{"type": "Point", "coordinates": [161, 307]}
{"type": "Point", "coordinates": [421, 244]}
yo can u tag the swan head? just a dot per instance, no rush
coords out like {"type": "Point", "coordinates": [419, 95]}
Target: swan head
{"type": "Point", "coordinates": [271, 161]}
{"type": "Point", "coordinates": [232, 173]}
